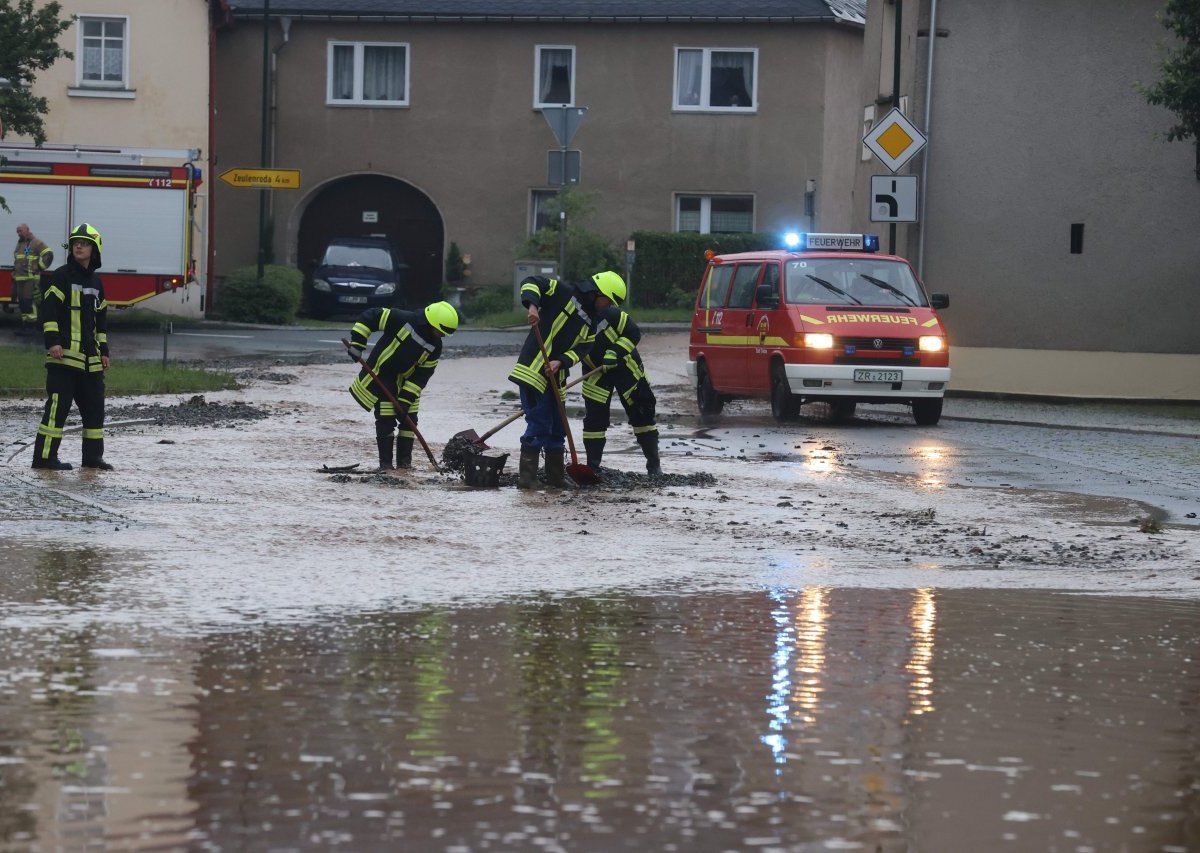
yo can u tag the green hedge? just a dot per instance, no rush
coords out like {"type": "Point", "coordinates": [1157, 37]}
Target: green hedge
{"type": "Point", "coordinates": [275, 301]}
{"type": "Point", "coordinates": [668, 267]}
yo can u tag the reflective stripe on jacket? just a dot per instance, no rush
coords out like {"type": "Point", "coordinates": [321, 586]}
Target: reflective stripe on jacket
{"type": "Point", "coordinates": [74, 315]}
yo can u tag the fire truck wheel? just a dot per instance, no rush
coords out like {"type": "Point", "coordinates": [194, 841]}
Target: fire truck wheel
{"type": "Point", "coordinates": [927, 412]}
{"type": "Point", "coordinates": [707, 399]}
{"type": "Point", "coordinates": [785, 405]}
{"type": "Point", "coordinates": [842, 410]}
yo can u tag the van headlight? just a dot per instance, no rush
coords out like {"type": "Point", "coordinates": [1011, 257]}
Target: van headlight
{"type": "Point", "coordinates": [321, 285]}
{"type": "Point", "coordinates": [385, 289]}
{"type": "Point", "coordinates": [818, 340]}
{"type": "Point", "coordinates": [932, 343]}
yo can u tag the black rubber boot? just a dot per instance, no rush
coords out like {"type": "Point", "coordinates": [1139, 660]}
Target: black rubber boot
{"type": "Point", "coordinates": [93, 454]}
{"type": "Point", "coordinates": [51, 462]}
{"type": "Point", "coordinates": [404, 448]}
{"type": "Point", "coordinates": [594, 448]}
{"type": "Point", "coordinates": [649, 443]}
{"type": "Point", "coordinates": [556, 472]}
{"type": "Point", "coordinates": [384, 443]}
{"type": "Point", "coordinates": [527, 473]}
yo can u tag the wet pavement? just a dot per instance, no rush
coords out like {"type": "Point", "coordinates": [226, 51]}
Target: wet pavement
{"type": "Point", "coordinates": [808, 636]}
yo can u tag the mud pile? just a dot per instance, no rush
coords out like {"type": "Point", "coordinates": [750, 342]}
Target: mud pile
{"type": "Point", "coordinates": [195, 411]}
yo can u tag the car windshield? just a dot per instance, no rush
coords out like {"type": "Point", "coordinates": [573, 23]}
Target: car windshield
{"type": "Point", "coordinates": [357, 256]}
{"type": "Point", "coordinates": [861, 281]}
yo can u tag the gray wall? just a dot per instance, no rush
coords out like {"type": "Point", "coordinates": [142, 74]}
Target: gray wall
{"type": "Point", "coordinates": [473, 143]}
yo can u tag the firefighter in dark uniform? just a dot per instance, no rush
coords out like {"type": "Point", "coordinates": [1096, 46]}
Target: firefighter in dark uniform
{"type": "Point", "coordinates": [31, 258]}
{"type": "Point", "coordinates": [74, 318]}
{"type": "Point", "coordinates": [615, 349]}
{"type": "Point", "coordinates": [405, 358]}
{"type": "Point", "coordinates": [564, 314]}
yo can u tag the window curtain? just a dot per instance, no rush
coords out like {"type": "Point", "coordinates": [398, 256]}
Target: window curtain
{"type": "Point", "coordinates": [554, 77]}
{"type": "Point", "coordinates": [732, 78]}
{"type": "Point", "coordinates": [690, 75]}
{"type": "Point", "coordinates": [383, 73]}
{"type": "Point", "coordinates": [343, 72]}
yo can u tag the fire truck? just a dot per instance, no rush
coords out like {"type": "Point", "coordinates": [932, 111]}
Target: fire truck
{"type": "Point", "coordinates": [146, 215]}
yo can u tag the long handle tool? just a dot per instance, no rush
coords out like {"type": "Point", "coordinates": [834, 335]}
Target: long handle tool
{"type": "Point", "coordinates": [480, 441]}
{"type": "Point", "coordinates": [580, 473]}
{"type": "Point", "coordinates": [408, 422]}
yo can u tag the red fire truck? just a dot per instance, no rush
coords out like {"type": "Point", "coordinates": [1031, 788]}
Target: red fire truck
{"type": "Point", "coordinates": [145, 214]}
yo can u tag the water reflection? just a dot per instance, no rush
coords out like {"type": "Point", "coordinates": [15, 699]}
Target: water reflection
{"type": "Point", "coordinates": [787, 718]}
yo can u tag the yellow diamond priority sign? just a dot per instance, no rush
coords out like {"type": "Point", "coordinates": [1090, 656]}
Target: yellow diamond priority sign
{"type": "Point", "coordinates": [894, 140]}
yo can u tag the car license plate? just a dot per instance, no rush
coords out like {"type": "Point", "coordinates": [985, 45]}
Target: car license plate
{"type": "Point", "coordinates": [878, 376]}
{"type": "Point", "coordinates": [353, 300]}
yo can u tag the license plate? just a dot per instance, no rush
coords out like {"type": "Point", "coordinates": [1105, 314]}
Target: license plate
{"type": "Point", "coordinates": [353, 300]}
{"type": "Point", "coordinates": [878, 376]}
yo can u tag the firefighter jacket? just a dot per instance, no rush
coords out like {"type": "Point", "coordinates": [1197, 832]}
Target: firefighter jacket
{"type": "Point", "coordinates": [405, 357]}
{"type": "Point", "coordinates": [74, 315]}
{"type": "Point", "coordinates": [30, 259]}
{"type": "Point", "coordinates": [614, 345]}
{"type": "Point", "coordinates": [565, 324]}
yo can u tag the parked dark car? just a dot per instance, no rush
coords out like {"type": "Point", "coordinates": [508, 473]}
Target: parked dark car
{"type": "Point", "coordinates": [356, 273]}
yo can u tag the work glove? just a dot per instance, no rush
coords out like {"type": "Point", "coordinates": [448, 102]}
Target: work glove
{"type": "Point", "coordinates": [610, 360]}
{"type": "Point", "coordinates": [355, 353]}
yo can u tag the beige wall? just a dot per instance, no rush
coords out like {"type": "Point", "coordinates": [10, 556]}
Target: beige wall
{"type": "Point", "coordinates": [473, 143]}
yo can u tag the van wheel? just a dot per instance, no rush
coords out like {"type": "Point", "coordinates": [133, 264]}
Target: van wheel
{"type": "Point", "coordinates": [785, 405]}
{"type": "Point", "coordinates": [708, 401]}
{"type": "Point", "coordinates": [842, 410]}
{"type": "Point", "coordinates": [927, 412]}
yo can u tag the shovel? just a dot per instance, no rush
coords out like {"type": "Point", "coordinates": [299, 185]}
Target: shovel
{"type": "Point", "coordinates": [408, 422]}
{"type": "Point", "coordinates": [580, 473]}
{"type": "Point", "coordinates": [480, 441]}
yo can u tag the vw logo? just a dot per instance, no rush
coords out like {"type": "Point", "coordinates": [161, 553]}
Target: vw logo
{"type": "Point", "coordinates": [878, 343]}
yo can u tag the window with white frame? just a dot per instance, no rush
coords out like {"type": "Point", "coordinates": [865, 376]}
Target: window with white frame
{"type": "Point", "coordinates": [103, 53]}
{"type": "Point", "coordinates": [553, 76]}
{"type": "Point", "coordinates": [368, 74]}
{"type": "Point", "coordinates": [716, 79]}
{"type": "Point", "coordinates": [543, 205]}
{"type": "Point", "coordinates": [714, 214]}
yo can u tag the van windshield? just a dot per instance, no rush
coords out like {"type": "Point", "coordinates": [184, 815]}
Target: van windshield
{"type": "Point", "coordinates": [861, 281]}
{"type": "Point", "coordinates": [357, 256]}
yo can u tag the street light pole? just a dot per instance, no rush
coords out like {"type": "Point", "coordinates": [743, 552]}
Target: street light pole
{"type": "Point", "coordinates": [895, 105]}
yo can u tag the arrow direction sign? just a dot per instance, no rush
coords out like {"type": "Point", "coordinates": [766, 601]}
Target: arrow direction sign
{"type": "Point", "coordinates": [263, 179]}
{"type": "Point", "coordinates": [894, 140]}
{"type": "Point", "coordinates": [564, 121]}
{"type": "Point", "coordinates": [893, 198]}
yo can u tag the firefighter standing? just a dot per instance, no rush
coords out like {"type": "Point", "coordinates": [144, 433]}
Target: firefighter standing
{"type": "Point", "coordinates": [405, 358]}
{"type": "Point", "coordinates": [31, 258]}
{"type": "Point", "coordinates": [74, 317]}
{"type": "Point", "coordinates": [564, 314]}
{"type": "Point", "coordinates": [615, 349]}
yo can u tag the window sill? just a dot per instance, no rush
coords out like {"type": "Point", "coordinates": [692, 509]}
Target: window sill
{"type": "Point", "coordinates": [388, 105]}
{"type": "Point", "coordinates": [716, 111]}
{"type": "Point", "coordinates": [98, 92]}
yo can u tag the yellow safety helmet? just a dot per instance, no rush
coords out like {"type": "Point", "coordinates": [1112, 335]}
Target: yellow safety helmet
{"type": "Point", "coordinates": [611, 285]}
{"type": "Point", "coordinates": [84, 231]}
{"type": "Point", "coordinates": [442, 316]}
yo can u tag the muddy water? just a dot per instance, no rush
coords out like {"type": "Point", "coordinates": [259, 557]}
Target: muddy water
{"type": "Point", "coordinates": [774, 719]}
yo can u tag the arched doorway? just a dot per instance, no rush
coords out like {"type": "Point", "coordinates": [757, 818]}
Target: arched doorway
{"type": "Point", "coordinates": [400, 212]}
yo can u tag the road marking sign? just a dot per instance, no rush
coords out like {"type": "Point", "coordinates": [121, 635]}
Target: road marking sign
{"type": "Point", "coordinates": [894, 140]}
{"type": "Point", "coordinates": [893, 198]}
{"type": "Point", "coordinates": [263, 179]}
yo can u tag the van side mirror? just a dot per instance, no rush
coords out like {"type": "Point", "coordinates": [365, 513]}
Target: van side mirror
{"type": "Point", "coordinates": [767, 296]}
{"type": "Point", "coordinates": [939, 300]}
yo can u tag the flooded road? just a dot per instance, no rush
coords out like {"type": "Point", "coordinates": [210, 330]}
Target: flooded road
{"type": "Point", "coordinates": [871, 636]}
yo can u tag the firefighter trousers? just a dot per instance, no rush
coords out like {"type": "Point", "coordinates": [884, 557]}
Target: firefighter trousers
{"type": "Point", "coordinates": [64, 386]}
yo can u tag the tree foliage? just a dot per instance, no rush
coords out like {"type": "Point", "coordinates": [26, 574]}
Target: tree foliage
{"type": "Point", "coordinates": [28, 44]}
{"type": "Point", "coordinates": [587, 253]}
{"type": "Point", "coordinates": [1179, 87]}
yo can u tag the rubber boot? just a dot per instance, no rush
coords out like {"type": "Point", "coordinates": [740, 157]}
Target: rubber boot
{"type": "Point", "coordinates": [51, 462]}
{"type": "Point", "coordinates": [404, 449]}
{"type": "Point", "coordinates": [527, 473]}
{"type": "Point", "coordinates": [649, 443]}
{"type": "Point", "coordinates": [93, 454]}
{"type": "Point", "coordinates": [594, 448]}
{"type": "Point", "coordinates": [556, 473]}
{"type": "Point", "coordinates": [384, 442]}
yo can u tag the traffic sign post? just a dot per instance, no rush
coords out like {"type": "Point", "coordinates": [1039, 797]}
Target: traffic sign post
{"type": "Point", "coordinates": [563, 121]}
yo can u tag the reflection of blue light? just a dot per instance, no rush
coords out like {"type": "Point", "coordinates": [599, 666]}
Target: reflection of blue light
{"type": "Point", "coordinates": [781, 682]}
{"type": "Point", "coordinates": [791, 239]}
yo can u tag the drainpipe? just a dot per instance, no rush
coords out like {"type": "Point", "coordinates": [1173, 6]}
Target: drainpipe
{"type": "Point", "coordinates": [285, 26]}
{"type": "Point", "coordinates": [928, 136]}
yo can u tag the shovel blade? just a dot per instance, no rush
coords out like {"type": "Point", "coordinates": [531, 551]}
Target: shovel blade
{"type": "Point", "coordinates": [473, 437]}
{"type": "Point", "coordinates": [582, 474]}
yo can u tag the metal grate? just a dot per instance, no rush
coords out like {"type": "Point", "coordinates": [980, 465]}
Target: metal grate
{"type": "Point", "coordinates": [864, 343]}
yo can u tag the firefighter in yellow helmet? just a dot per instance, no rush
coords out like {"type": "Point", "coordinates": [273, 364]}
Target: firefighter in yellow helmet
{"type": "Point", "coordinates": [405, 358]}
{"type": "Point", "coordinates": [74, 320]}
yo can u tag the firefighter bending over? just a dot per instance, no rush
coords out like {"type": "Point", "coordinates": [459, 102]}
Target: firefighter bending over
{"type": "Point", "coordinates": [615, 350]}
{"type": "Point", "coordinates": [74, 319]}
{"type": "Point", "coordinates": [405, 358]}
{"type": "Point", "coordinates": [564, 314]}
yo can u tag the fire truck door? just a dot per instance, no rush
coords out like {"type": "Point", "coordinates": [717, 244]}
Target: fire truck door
{"type": "Point", "coordinates": [738, 325]}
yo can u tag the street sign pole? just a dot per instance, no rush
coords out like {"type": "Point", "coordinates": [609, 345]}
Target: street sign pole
{"type": "Point", "coordinates": [562, 201]}
{"type": "Point", "coordinates": [262, 194]}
